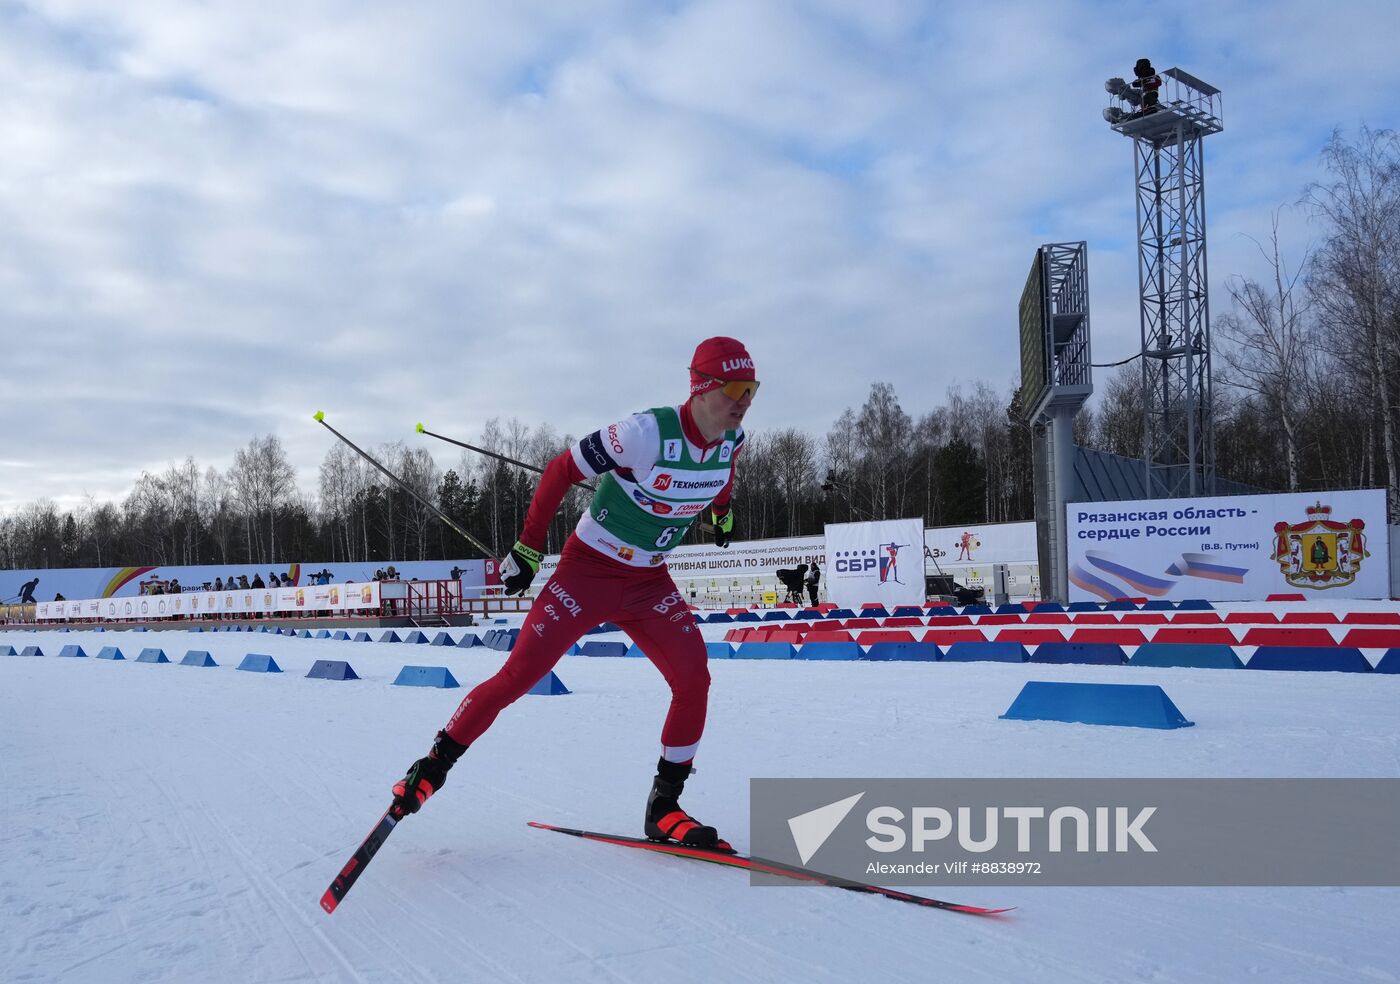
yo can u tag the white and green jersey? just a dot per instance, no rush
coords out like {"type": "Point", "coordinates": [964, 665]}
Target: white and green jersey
{"type": "Point", "coordinates": [655, 483]}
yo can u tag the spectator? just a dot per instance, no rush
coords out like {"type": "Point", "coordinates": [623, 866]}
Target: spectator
{"type": "Point", "coordinates": [258, 581]}
{"type": "Point", "coordinates": [174, 586]}
{"type": "Point", "coordinates": [243, 581]}
{"type": "Point", "coordinates": [218, 584]}
{"type": "Point", "coordinates": [273, 581]}
{"type": "Point", "coordinates": [814, 580]}
{"type": "Point", "coordinates": [26, 592]}
{"type": "Point", "coordinates": [59, 597]}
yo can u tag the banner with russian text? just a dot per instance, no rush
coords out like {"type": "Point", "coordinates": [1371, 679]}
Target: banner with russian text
{"type": "Point", "coordinates": [1321, 545]}
{"type": "Point", "coordinates": [875, 562]}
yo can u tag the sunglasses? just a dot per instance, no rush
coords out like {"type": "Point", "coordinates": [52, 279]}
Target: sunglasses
{"type": "Point", "coordinates": [737, 389]}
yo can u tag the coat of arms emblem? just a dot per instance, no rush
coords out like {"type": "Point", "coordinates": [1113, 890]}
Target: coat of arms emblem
{"type": "Point", "coordinates": [1320, 552]}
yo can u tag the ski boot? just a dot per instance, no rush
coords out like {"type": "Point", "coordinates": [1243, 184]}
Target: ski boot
{"type": "Point", "coordinates": [667, 822]}
{"type": "Point", "coordinates": [426, 776]}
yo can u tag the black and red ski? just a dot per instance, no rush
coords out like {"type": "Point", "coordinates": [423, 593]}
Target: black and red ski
{"type": "Point", "coordinates": [359, 859]}
{"type": "Point", "coordinates": [765, 866]}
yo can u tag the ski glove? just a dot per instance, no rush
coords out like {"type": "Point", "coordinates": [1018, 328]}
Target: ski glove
{"type": "Point", "coordinates": [427, 775]}
{"type": "Point", "coordinates": [724, 528]}
{"type": "Point", "coordinates": [519, 568]}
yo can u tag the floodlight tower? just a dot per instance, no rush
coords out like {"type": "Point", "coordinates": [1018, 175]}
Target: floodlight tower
{"type": "Point", "coordinates": [1167, 117]}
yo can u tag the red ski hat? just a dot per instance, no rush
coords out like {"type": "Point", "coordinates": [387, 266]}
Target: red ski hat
{"type": "Point", "coordinates": [719, 360]}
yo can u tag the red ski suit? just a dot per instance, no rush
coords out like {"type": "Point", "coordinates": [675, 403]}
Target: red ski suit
{"type": "Point", "coordinates": [587, 589]}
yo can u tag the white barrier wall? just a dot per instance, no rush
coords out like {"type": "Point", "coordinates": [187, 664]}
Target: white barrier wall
{"type": "Point", "coordinates": [1231, 548]}
{"type": "Point", "coordinates": [244, 601]}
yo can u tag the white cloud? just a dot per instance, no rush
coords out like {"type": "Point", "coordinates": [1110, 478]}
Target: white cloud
{"type": "Point", "coordinates": [221, 217]}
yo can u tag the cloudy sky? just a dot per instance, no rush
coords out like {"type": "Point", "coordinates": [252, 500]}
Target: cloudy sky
{"type": "Point", "coordinates": [217, 218]}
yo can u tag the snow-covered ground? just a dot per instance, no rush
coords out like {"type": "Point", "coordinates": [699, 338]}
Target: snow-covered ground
{"type": "Point", "coordinates": [168, 823]}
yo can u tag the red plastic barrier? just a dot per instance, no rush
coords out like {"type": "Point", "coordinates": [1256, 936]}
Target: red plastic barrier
{"type": "Point", "coordinates": [1196, 618]}
{"type": "Point", "coordinates": [946, 637]}
{"type": "Point", "coordinates": [1191, 634]}
{"type": "Point", "coordinates": [1030, 637]}
{"type": "Point", "coordinates": [1372, 618]}
{"type": "Point", "coordinates": [1373, 638]}
{"type": "Point", "coordinates": [1254, 618]}
{"type": "Point", "coordinates": [1143, 618]}
{"type": "Point", "coordinates": [1310, 618]}
{"type": "Point", "coordinates": [1288, 637]}
{"type": "Point", "coordinates": [827, 635]}
{"type": "Point", "coordinates": [1120, 636]}
{"type": "Point", "coordinates": [1286, 597]}
{"type": "Point", "coordinates": [884, 635]}
{"type": "Point", "coordinates": [1094, 618]}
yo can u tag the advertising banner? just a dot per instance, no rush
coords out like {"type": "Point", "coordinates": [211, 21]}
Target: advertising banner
{"type": "Point", "coordinates": [1231, 548]}
{"type": "Point", "coordinates": [875, 562]}
{"type": "Point", "coordinates": [979, 545]}
{"type": "Point", "coordinates": [243, 601]}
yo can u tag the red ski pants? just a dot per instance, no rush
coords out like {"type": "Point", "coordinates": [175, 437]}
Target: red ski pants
{"type": "Point", "coordinates": [588, 589]}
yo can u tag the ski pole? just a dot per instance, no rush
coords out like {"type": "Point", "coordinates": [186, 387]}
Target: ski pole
{"type": "Point", "coordinates": [320, 417]}
{"type": "Point", "coordinates": [492, 454]}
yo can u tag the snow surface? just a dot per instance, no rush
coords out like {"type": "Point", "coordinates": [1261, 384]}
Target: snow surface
{"type": "Point", "coordinates": [171, 823]}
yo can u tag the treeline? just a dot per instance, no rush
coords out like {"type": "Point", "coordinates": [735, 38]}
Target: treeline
{"type": "Point", "coordinates": [1307, 396]}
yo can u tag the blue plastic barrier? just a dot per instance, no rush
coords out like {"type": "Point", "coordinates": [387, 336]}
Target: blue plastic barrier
{"type": "Point", "coordinates": [1127, 705]}
{"type": "Point", "coordinates": [322, 634]}
{"type": "Point", "coordinates": [719, 650]}
{"type": "Point", "coordinates": [390, 636]}
{"type": "Point", "coordinates": [426, 676]}
{"type": "Point", "coordinates": [595, 648]}
{"type": "Point", "coordinates": [610, 627]}
{"type": "Point", "coordinates": [829, 651]}
{"type": "Point", "coordinates": [442, 639]}
{"type": "Point", "coordinates": [1121, 606]}
{"type": "Point", "coordinates": [198, 657]}
{"type": "Point", "coordinates": [776, 615]}
{"type": "Point", "coordinates": [469, 641]}
{"type": "Point", "coordinates": [416, 638]}
{"type": "Point", "coordinates": [303, 634]}
{"type": "Point", "coordinates": [747, 617]}
{"type": "Point", "coordinates": [1047, 608]}
{"type": "Point", "coordinates": [503, 639]}
{"type": "Point", "coordinates": [332, 669]}
{"type": "Point", "coordinates": [7, 650]}
{"type": "Point", "coordinates": [340, 635]}
{"type": "Point", "coordinates": [1201, 655]}
{"type": "Point", "coordinates": [1010, 608]}
{"type": "Point", "coordinates": [259, 663]}
{"type": "Point", "coordinates": [634, 651]}
{"type": "Point", "coordinates": [363, 637]}
{"type": "Point", "coordinates": [1099, 653]}
{"type": "Point", "coordinates": [875, 611]}
{"type": "Point", "coordinates": [1341, 659]}
{"type": "Point", "coordinates": [765, 650]}
{"type": "Point", "coordinates": [110, 652]}
{"type": "Point", "coordinates": [901, 611]}
{"type": "Point", "coordinates": [71, 650]}
{"type": "Point", "coordinates": [1159, 605]}
{"type": "Point", "coordinates": [976, 610]}
{"type": "Point", "coordinates": [152, 655]}
{"type": "Point", "coordinates": [31, 651]}
{"type": "Point", "coordinates": [840, 613]}
{"type": "Point", "coordinates": [549, 685]}
{"type": "Point", "coordinates": [942, 610]}
{"type": "Point", "coordinates": [912, 652]}
{"type": "Point", "coordinates": [1083, 606]}
{"type": "Point", "coordinates": [1195, 605]}
{"type": "Point", "coordinates": [997, 652]}
{"type": "Point", "coordinates": [1390, 662]}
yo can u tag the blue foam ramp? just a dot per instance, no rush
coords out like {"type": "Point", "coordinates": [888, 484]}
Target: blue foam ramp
{"type": "Point", "coordinates": [198, 657]}
{"type": "Point", "coordinates": [322, 634]}
{"type": "Point", "coordinates": [110, 652]}
{"type": "Point", "coordinates": [303, 634]}
{"type": "Point", "coordinates": [341, 636]}
{"type": "Point", "coordinates": [71, 650]}
{"type": "Point", "coordinates": [1342, 659]}
{"type": "Point", "coordinates": [31, 651]}
{"type": "Point", "coordinates": [416, 638]}
{"type": "Point", "coordinates": [259, 663]}
{"type": "Point", "coordinates": [747, 617]}
{"type": "Point", "coordinates": [1129, 705]}
{"type": "Point", "coordinates": [7, 650]}
{"type": "Point", "coordinates": [595, 648]}
{"type": "Point", "coordinates": [976, 652]}
{"type": "Point", "coordinates": [1211, 656]}
{"type": "Point", "coordinates": [152, 655]}
{"type": "Point", "coordinates": [829, 651]}
{"type": "Point", "coordinates": [719, 650]}
{"type": "Point", "coordinates": [197, 628]}
{"type": "Point", "coordinates": [765, 650]}
{"type": "Point", "coordinates": [390, 636]}
{"type": "Point", "coordinates": [442, 639]}
{"type": "Point", "coordinates": [469, 641]}
{"type": "Point", "coordinates": [549, 685]}
{"type": "Point", "coordinates": [1100, 653]}
{"type": "Point", "coordinates": [363, 637]}
{"type": "Point", "coordinates": [503, 638]}
{"type": "Point", "coordinates": [489, 638]}
{"type": "Point", "coordinates": [912, 652]}
{"type": "Point", "coordinates": [426, 676]}
{"type": "Point", "coordinates": [332, 669]}
{"type": "Point", "coordinates": [634, 651]}
{"type": "Point", "coordinates": [776, 616]}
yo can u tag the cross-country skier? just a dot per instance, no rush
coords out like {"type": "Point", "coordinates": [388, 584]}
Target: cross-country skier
{"type": "Point", "coordinates": [661, 471]}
